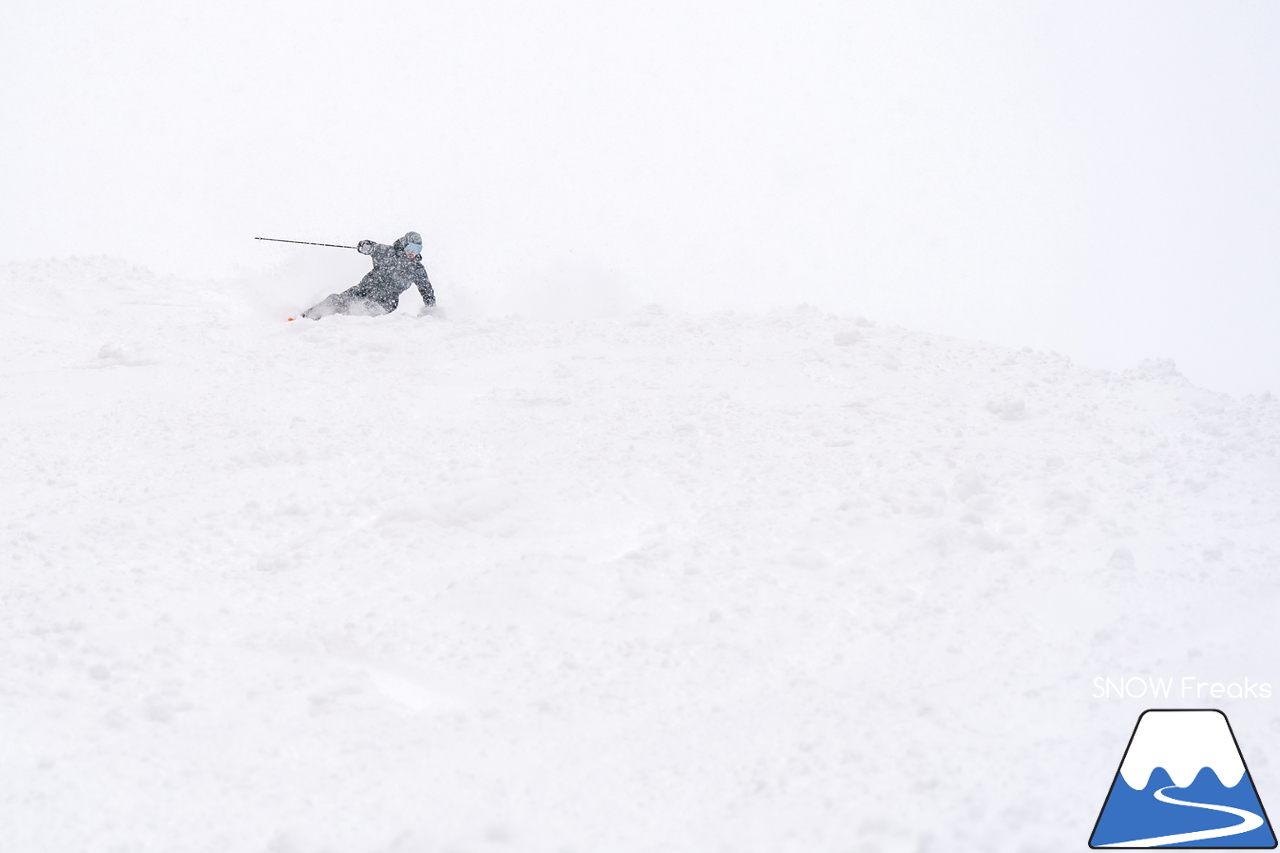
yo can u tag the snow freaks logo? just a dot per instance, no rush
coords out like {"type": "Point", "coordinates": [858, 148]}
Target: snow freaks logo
{"type": "Point", "coordinates": [1183, 783]}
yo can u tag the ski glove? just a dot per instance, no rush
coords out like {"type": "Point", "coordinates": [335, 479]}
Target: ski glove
{"type": "Point", "coordinates": [365, 247]}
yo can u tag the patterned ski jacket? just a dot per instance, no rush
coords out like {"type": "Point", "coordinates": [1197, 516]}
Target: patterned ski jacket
{"type": "Point", "coordinates": [393, 273]}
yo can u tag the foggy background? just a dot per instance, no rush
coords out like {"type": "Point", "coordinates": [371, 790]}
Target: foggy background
{"type": "Point", "coordinates": [1095, 178]}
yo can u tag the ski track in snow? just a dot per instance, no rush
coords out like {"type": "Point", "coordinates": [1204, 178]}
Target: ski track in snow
{"type": "Point", "coordinates": [780, 582]}
{"type": "Point", "coordinates": [1248, 822]}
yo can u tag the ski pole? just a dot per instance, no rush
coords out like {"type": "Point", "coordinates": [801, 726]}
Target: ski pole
{"type": "Point", "coordinates": [304, 243]}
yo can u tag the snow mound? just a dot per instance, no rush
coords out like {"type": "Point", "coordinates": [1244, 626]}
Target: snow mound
{"type": "Point", "coordinates": [655, 581]}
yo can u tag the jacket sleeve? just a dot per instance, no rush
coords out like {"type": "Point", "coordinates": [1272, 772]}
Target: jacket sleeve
{"type": "Point", "coordinates": [381, 254]}
{"type": "Point", "coordinates": [424, 286]}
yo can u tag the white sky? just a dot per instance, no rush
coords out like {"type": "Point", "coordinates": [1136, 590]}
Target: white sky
{"type": "Point", "coordinates": [1096, 178]}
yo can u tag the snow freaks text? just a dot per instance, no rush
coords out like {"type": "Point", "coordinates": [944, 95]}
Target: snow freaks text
{"type": "Point", "coordinates": [1186, 687]}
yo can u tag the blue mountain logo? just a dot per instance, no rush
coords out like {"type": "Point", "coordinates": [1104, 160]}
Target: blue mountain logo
{"type": "Point", "coordinates": [1183, 783]}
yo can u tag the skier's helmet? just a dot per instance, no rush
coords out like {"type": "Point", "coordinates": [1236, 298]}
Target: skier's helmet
{"type": "Point", "coordinates": [412, 242]}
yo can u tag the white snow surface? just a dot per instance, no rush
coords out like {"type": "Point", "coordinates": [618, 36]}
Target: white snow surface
{"type": "Point", "coordinates": [647, 582]}
{"type": "Point", "coordinates": [1183, 743]}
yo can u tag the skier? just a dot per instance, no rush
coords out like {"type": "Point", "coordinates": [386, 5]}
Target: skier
{"type": "Point", "coordinates": [395, 269]}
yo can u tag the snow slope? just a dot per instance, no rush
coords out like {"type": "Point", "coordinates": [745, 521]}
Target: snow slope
{"type": "Point", "coordinates": [651, 582]}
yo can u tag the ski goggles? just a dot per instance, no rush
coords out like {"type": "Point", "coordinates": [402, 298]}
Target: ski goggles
{"type": "Point", "coordinates": [414, 248]}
